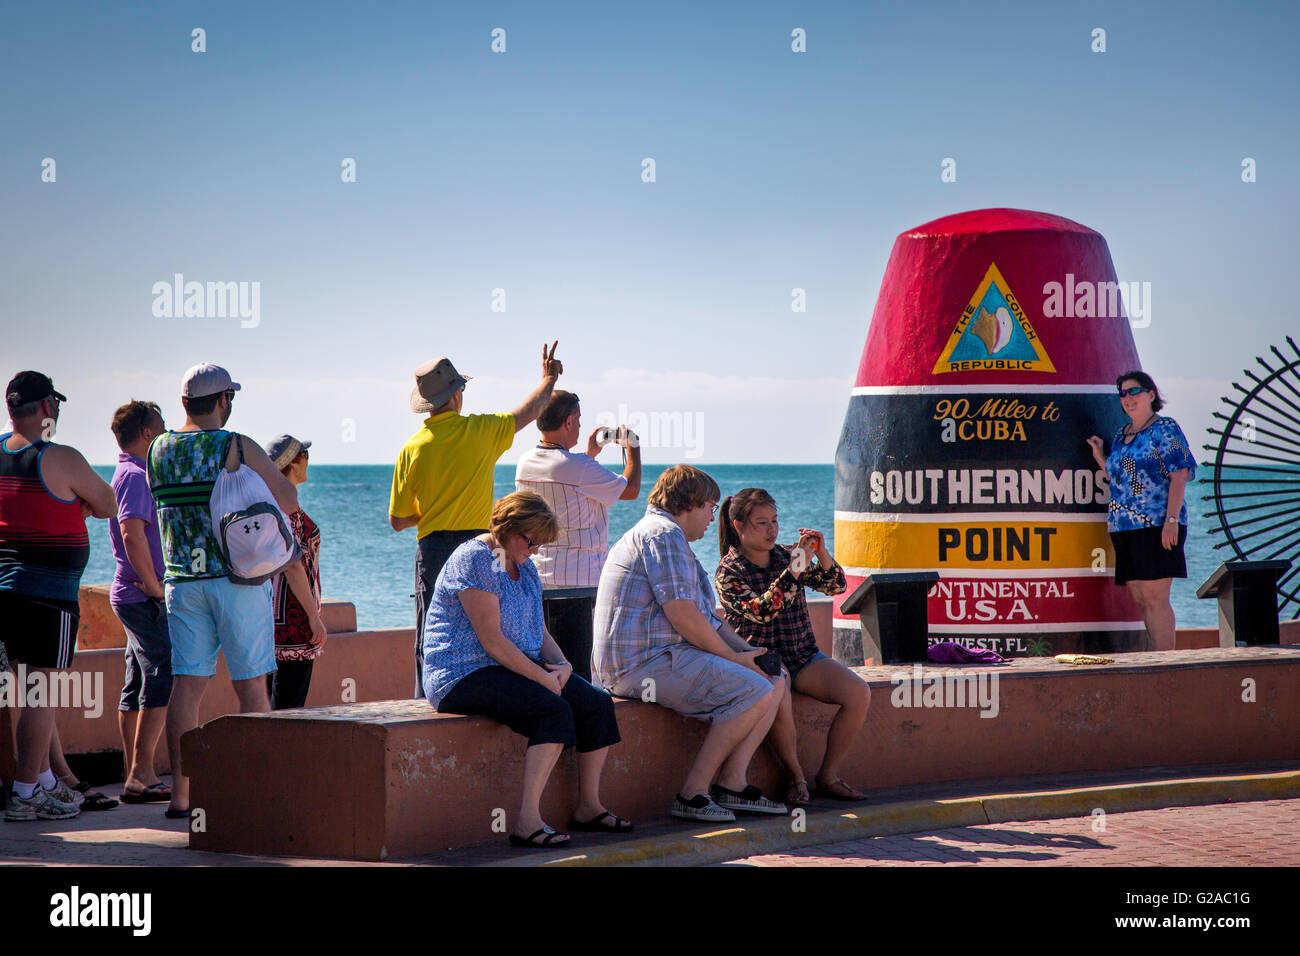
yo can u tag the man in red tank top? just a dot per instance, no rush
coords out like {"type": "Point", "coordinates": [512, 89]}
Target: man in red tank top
{"type": "Point", "coordinates": [46, 493]}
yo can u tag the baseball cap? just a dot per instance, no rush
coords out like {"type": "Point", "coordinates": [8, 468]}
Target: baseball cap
{"type": "Point", "coordinates": [28, 387]}
{"type": "Point", "coordinates": [283, 449]}
{"type": "Point", "coordinates": [206, 379]}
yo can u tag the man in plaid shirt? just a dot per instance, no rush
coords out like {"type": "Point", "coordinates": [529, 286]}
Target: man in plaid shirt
{"type": "Point", "coordinates": [657, 638]}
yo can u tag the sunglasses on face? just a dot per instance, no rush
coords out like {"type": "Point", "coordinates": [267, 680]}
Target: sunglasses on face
{"type": "Point", "coordinates": [528, 541]}
{"type": "Point", "coordinates": [1135, 390]}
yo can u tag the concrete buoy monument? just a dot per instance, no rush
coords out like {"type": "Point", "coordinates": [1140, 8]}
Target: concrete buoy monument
{"type": "Point", "coordinates": [991, 357]}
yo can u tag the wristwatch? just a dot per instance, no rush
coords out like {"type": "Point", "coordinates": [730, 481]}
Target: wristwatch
{"type": "Point", "coordinates": [1171, 519]}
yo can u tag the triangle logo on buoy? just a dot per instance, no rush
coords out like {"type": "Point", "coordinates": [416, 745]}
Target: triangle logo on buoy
{"type": "Point", "coordinates": [993, 334]}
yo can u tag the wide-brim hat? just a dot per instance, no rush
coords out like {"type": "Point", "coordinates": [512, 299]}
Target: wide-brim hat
{"type": "Point", "coordinates": [436, 382]}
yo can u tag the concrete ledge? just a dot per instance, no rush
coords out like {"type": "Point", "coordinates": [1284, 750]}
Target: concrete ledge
{"type": "Point", "coordinates": [99, 627]}
{"type": "Point", "coordinates": [395, 779]}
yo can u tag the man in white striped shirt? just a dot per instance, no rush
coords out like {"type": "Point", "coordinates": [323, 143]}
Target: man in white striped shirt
{"type": "Point", "coordinates": [579, 490]}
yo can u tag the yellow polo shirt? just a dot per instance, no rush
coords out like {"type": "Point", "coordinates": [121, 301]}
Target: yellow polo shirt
{"type": "Point", "coordinates": [444, 471]}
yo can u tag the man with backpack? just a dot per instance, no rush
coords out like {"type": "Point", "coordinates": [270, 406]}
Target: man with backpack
{"type": "Point", "coordinates": [207, 612]}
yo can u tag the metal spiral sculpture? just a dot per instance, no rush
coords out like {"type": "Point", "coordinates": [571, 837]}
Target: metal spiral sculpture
{"type": "Point", "coordinates": [1257, 503]}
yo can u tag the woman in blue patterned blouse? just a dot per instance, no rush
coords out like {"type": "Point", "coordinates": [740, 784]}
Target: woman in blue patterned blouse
{"type": "Point", "coordinates": [1149, 466]}
{"type": "Point", "coordinates": [487, 652]}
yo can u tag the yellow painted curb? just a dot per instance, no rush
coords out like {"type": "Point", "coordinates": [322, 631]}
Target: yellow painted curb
{"type": "Point", "coordinates": [753, 836]}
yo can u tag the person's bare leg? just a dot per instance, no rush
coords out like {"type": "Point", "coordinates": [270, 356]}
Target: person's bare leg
{"type": "Point", "coordinates": [734, 772]}
{"type": "Point", "coordinates": [35, 727]}
{"type": "Point", "coordinates": [831, 682]}
{"type": "Point", "coordinates": [539, 761]}
{"type": "Point", "coordinates": [127, 722]}
{"type": "Point", "coordinates": [252, 695]}
{"type": "Point", "coordinates": [182, 717]}
{"type": "Point", "coordinates": [783, 738]}
{"type": "Point", "coordinates": [59, 763]}
{"type": "Point", "coordinates": [1159, 614]}
{"type": "Point", "coordinates": [590, 766]}
{"type": "Point", "coordinates": [721, 740]}
{"type": "Point", "coordinates": [149, 728]}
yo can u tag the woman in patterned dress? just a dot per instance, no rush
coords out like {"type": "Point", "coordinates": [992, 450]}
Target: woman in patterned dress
{"type": "Point", "coordinates": [299, 630]}
{"type": "Point", "coordinates": [760, 584]}
{"type": "Point", "coordinates": [1149, 466]}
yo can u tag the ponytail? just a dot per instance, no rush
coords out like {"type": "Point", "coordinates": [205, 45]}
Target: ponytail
{"type": "Point", "coordinates": [726, 533]}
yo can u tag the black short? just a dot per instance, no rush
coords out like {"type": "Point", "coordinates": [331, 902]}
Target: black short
{"type": "Point", "coordinates": [39, 632]}
{"type": "Point", "coordinates": [1139, 555]}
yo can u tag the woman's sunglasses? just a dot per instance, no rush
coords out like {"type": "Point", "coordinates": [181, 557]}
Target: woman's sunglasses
{"type": "Point", "coordinates": [1135, 390]}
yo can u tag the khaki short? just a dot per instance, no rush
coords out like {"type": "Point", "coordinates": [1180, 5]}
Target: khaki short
{"type": "Point", "coordinates": [695, 684]}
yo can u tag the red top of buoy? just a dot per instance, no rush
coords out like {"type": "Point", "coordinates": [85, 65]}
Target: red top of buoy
{"type": "Point", "coordinates": [1064, 321]}
{"type": "Point", "coordinates": [996, 220]}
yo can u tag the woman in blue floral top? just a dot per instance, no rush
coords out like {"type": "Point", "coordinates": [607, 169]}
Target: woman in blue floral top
{"type": "Point", "coordinates": [1149, 466]}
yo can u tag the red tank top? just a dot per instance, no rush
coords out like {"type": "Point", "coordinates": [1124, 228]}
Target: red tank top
{"type": "Point", "coordinates": [44, 546]}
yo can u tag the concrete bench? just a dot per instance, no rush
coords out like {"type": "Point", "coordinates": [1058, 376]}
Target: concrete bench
{"type": "Point", "coordinates": [395, 779]}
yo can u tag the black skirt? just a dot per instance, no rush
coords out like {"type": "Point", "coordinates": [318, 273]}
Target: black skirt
{"type": "Point", "coordinates": [1139, 555]}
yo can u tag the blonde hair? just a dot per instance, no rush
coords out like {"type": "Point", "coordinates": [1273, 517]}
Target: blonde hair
{"type": "Point", "coordinates": [682, 488]}
{"type": "Point", "coordinates": [524, 513]}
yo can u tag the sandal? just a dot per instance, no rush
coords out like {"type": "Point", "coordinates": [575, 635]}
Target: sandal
{"type": "Point", "coordinates": [796, 793]}
{"type": "Point", "coordinates": [838, 789]}
{"type": "Point", "coordinates": [549, 838]}
{"type": "Point", "coordinates": [594, 825]}
{"type": "Point", "coordinates": [155, 793]}
{"type": "Point", "coordinates": [171, 814]}
{"type": "Point", "coordinates": [92, 799]}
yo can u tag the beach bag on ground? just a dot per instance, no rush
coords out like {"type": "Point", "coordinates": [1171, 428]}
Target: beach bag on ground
{"type": "Point", "coordinates": [252, 532]}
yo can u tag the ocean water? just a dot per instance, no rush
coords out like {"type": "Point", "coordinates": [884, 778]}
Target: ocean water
{"type": "Point", "coordinates": [364, 561]}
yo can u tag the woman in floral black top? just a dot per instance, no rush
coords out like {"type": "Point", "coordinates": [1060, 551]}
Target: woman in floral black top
{"type": "Point", "coordinates": [760, 584]}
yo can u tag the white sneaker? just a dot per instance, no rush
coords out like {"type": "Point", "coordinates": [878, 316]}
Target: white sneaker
{"type": "Point", "coordinates": [41, 805]}
{"type": "Point", "coordinates": [65, 794]}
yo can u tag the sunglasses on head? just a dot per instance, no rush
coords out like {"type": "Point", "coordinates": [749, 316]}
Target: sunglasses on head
{"type": "Point", "coordinates": [1135, 390]}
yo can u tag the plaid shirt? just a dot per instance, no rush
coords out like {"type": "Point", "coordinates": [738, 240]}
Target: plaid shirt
{"type": "Point", "coordinates": [649, 566]}
{"type": "Point", "coordinates": [766, 605]}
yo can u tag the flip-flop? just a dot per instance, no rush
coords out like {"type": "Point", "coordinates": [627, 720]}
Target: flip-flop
{"type": "Point", "coordinates": [154, 793]}
{"type": "Point", "coordinates": [594, 825]}
{"type": "Point", "coordinates": [171, 814]}
{"type": "Point", "coordinates": [824, 790]}
{"type": "Point", "coordinates": [549, 839]}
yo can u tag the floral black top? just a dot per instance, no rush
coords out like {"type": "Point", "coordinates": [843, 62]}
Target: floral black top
{"type": "Point", "coordinates": [766, 606]}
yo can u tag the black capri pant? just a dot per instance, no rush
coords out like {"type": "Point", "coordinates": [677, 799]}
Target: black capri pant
{"type": "Point", "coordinates": [581, 716]}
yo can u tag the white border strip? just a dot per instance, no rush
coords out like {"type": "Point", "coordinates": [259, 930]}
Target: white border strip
{"type": "Point", "coordinates": [1000, 388]}
{"type": "Point", "coordinates": [997, 629]}
{"type": "Point", "coordinates": [994, 573]}
{"type": "Point", "coordinates": [1049, 517]}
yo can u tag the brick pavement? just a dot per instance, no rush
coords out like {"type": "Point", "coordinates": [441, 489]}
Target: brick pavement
{"type": "Point", "coordinates": [1258, 833]}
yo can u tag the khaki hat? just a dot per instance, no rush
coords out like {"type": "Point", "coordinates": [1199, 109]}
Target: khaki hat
{"type": "Point", "coordinates": [435, 382]}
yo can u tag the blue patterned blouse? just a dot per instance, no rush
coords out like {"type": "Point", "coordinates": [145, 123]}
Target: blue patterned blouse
{"type": "Point", "coordinates": [1139, 475]}
{"type": "Point", "coordinates": [452, 650]}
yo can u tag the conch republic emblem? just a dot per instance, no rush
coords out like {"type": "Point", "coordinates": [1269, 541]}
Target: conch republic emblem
{"type": "Point", "coordinates": [964, 445]}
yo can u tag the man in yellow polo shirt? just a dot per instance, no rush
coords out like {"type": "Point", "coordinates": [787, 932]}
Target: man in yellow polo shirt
{"type": "Point", "coordinates": [442, 484]}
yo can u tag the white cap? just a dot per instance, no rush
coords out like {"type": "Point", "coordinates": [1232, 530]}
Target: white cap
{"type": "Point", "coordinates": [206, 379]}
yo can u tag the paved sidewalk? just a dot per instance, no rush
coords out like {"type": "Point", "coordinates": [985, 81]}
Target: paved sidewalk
{"type": "Point", "coordinates": [944, 823]}
{"type": "Point", "coordinates": [1260, 833]}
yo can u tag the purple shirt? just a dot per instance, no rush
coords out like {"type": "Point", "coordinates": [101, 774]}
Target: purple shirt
{"type": "Point", "coordinates": [131, 485]}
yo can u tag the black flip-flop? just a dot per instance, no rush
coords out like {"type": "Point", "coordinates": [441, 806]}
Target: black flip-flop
{"type": "Point", "coordinates": [595, 826]}
{"type": "Point", "coordinates": [92, 800]}
{"type": "Point", "coordinates": [171, 814]}
{"type": "Point", "coordinates": [155, 793]}
{"type": "Point", "coordinates": [549, 839]}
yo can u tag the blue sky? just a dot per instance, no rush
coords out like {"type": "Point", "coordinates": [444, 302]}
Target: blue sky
{"type": "Point", "coordinates": [522, 171]}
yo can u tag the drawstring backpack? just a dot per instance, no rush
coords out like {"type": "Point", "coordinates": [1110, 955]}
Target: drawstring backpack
{"type": "Point", "coordinates": [253, 534]}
